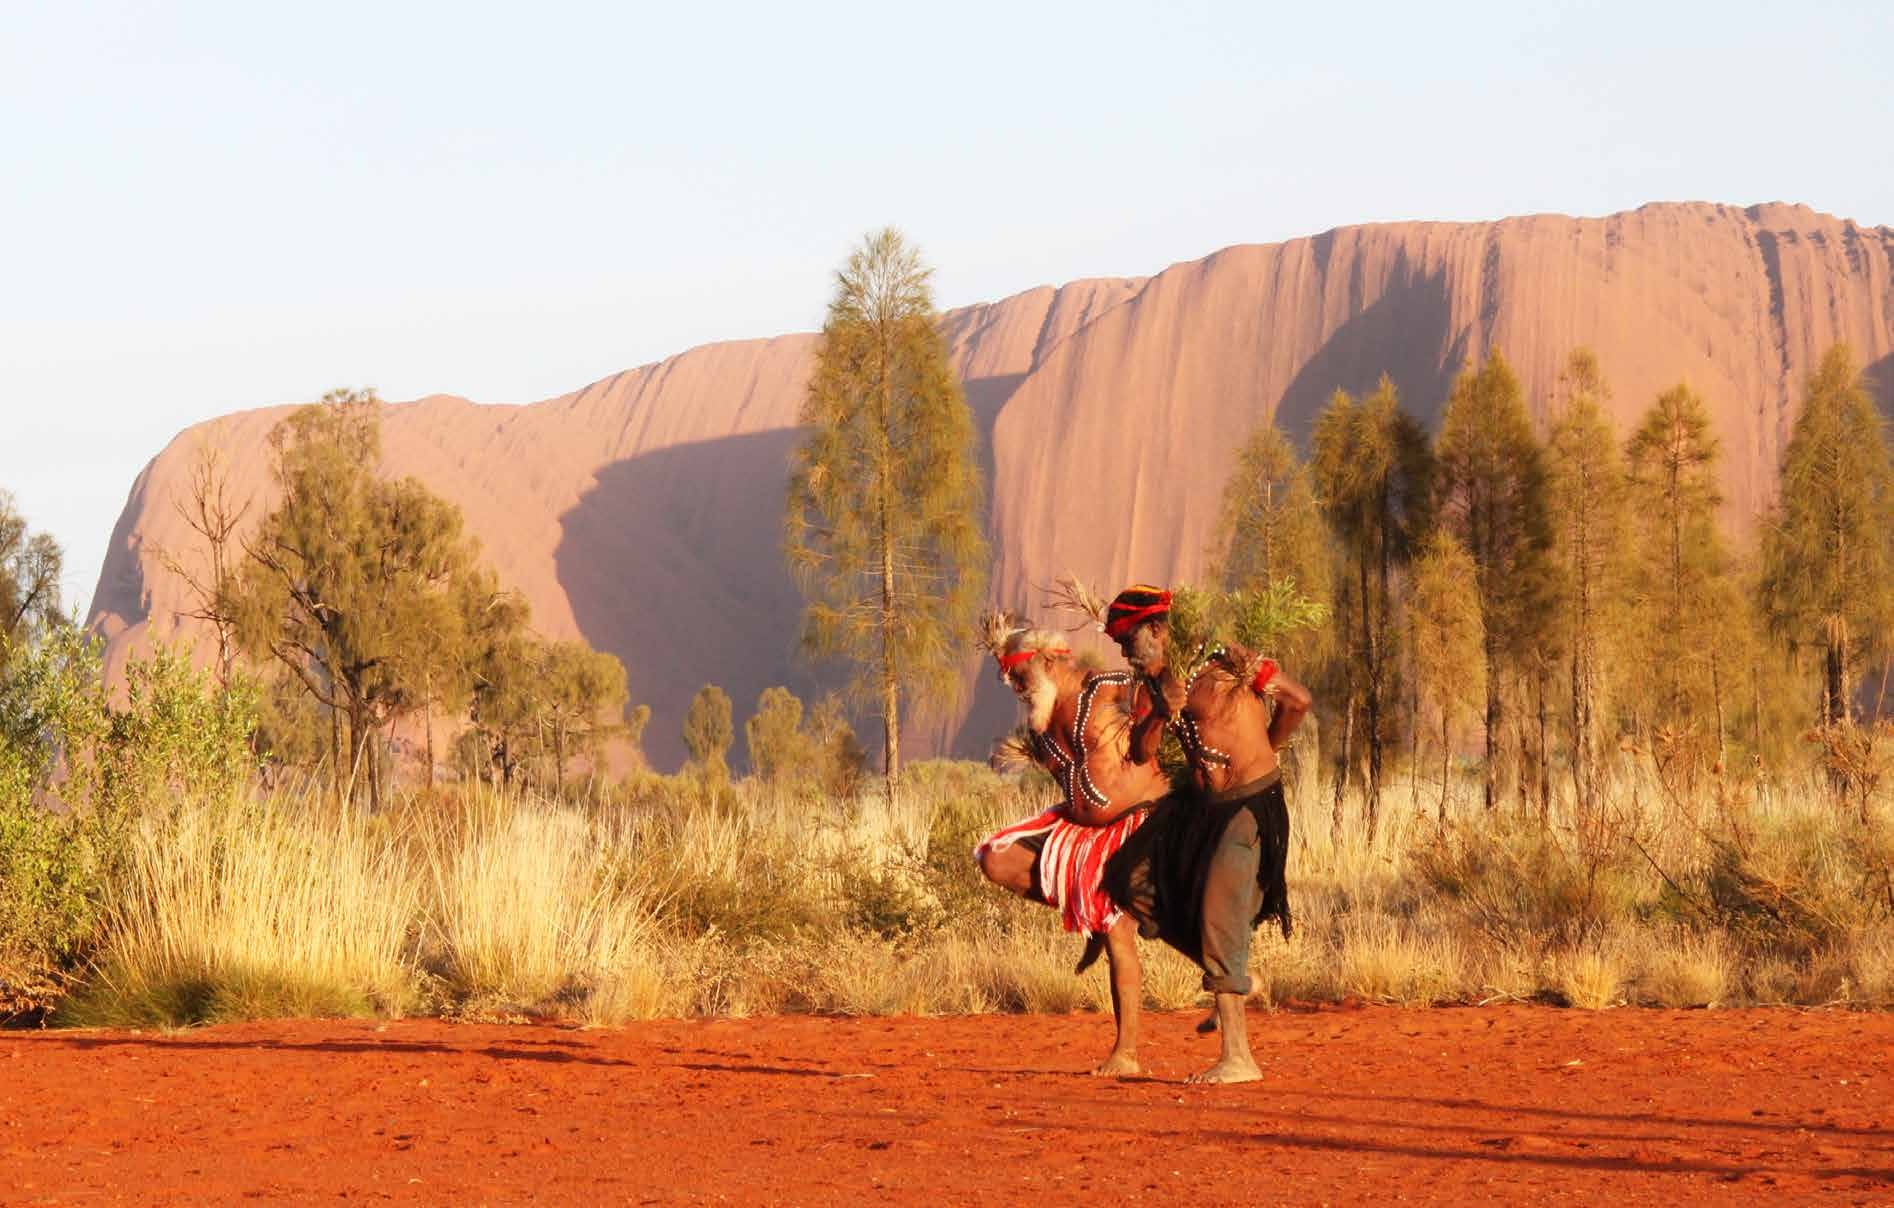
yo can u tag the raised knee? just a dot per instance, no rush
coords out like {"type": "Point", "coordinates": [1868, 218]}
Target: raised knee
{"type": "Point", "coordinates": [986, 861]}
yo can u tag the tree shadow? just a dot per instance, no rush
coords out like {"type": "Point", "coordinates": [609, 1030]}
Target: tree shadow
{"type": "Point", "coordinates": [1879, 378]}
{"type": "Point", "coordinates": [121, 591]}
{"type": "Point", "coordinates": [557, 1052]}
{"type": "Point", "coordinates": [1497, 1150]}
{"type": "Point", "coordinates": [1405, 333]}
{"type": "Point", "coordinates": [1605, 1117]}
{"type": "Point", "coordinates": [987, 708]}
{"type": "Point", "coordinates": [673, 562]}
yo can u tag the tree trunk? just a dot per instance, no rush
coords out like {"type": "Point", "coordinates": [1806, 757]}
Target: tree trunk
{"type": "Point", "coordinates": [1343, 751]}
{"type": "Point", "coordinates": [890, 695]}
{"type": "Point", "coordinates": [1523, 777]}
{"type": "Point", "coordinates": [1446, 760]}
{"type": "Point", "coordinates": [1539, 678]}
{"type": "Point", "coordinates": [335, 756]}
{"type": "Point", "coordinates": [355, 751]}
{"type": "Point", "coordinates": [1716, 697]}
{"type": "Point", "coordinates": [1413, 735]}
{"type": "Point", "coordinates": [1490, 757]}
{"type": "Point", "coordinates": [890, 688]}
{"type": "Point", "coordinates": [427, 726]}
{"type": "Point", "coordinates": [372, 749]}
{"type": "Point", "coordinates": [1371, 798]}
{"type": "Point", "coordinates": [1580, 737]}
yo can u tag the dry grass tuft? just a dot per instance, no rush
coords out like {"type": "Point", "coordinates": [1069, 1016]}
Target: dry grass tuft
{"type": "Point", "coordinates": [677, 901]}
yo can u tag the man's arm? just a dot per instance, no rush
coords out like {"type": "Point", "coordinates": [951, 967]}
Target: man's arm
{"type": "Point", "coordinates": [1149, 712]}
{"type": "Point", "coordinates": [1107, 747]}
{"type": "Point", "coordinates": [1266, 679]}
{"type": "Point", "coordinates": [1293, 702]}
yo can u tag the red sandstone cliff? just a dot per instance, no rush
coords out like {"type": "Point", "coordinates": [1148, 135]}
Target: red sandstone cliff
{"type": "Point", "coordinates": [643, 511]}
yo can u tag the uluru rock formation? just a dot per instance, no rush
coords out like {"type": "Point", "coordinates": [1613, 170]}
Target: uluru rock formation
{"type": "Point", "coordinates": [643, 512]}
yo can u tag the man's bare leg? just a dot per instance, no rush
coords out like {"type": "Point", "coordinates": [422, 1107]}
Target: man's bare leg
{"type": "Point", "coordinates": [1236, 1064]}
{"type": "Point", "coordinates": [1012, 869]}
{"type": "Point", "coordinates": [1127, 993]}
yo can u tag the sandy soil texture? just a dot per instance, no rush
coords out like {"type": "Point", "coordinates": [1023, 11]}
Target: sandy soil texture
{"type": "Point", "coordinates": [1511, 1104]}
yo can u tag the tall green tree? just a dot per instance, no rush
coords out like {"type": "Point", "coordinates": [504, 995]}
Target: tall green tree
{"type": "Point", "coordinates": [30, 566]}
{"type": "Point", "coordinates": [883, 524]}
{"type": "Point", "coordinates": [1446, 642]}
{"type": "Point", "coordinates": [1491, 494]}
{"type": "Point", "coordinates": [1373, 474]}
{"type": "Point", "coordinates": [347, 575]}
{"type": "Point", "coordinates": [1682, 572]}
{"type": "Point", "coordinates": [773, 735]}
{"type": "Point", "coordinates": [584, 701]}
{"type": "Point", "coordinates": [497, 669]}
{"type": "Point", "coordinates": [708, 733]}
{"type": "Point", "coordinates": [1270, 530]}
{"type": "Point", "coordinates": [1586, 492]}
{"type": "Point", "coordinates": [1828, 571]}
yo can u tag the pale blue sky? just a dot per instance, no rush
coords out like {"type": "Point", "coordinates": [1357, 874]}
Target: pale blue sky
{"type": "Point", "coordinates": [206, 207]}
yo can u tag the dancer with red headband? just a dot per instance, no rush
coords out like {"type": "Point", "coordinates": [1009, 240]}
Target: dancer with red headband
{"type": "Point", "coordinates": [1077, 728]}
{"type": "Point", "coordinates": [1209, 866]}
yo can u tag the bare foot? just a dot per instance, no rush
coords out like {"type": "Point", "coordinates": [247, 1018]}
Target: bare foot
{"type": "Point", "coordinates": [1208, 1023]}
{"type": "Point", "coordinates": [1119, 1065]}
{"type": "Point", "coordinates": [1230, 1069]}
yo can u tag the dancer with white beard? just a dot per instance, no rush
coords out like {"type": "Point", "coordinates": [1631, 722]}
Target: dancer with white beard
{"type": "Point", "coordinates": [1078, 728]}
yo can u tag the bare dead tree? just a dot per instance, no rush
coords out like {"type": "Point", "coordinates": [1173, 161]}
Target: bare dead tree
{"type": "Point", "coordinates": [211, 511]}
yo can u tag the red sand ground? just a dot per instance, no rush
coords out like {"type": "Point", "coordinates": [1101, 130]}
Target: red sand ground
{"type": "Point", "coordinates": [1512, 1104]}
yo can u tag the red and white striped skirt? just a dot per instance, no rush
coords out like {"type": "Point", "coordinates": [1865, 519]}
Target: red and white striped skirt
{"type": "Point", "coordinates": [1071, 862]}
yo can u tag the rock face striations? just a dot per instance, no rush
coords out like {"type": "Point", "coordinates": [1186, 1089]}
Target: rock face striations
{"type": "Point", "coordinates": [643, 512]}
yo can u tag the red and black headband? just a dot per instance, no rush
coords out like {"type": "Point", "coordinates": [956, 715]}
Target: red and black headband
{"type": "Point", "coordinates": [1134, 606]}
{"type": "Point", "coordinates": [1010, 661]}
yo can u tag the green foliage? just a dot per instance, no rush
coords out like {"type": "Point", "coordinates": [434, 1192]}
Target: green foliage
{"type": "Point", "coordinates": [1491, 494]}
{"type": "Point", "coordinates": [882, 527]}
{"type": "Point", "coordinates": [708, 733]}
{"type": "Point", "coordinates": [30, 566]}
{"type": "Point", "coordinates": [1446, 642]}
{"type": "Point", "coordinates": [356, 585]}
{"type": "Point", "coordinates": [52, 704]}
{"type": "Point", "coordinates": [499, 662]}
{"type": "Point", "coordinates": [77, 773]}
{"type": "Point", "coordinates": [180, 734]}
{"type": "Point", "coordinates": [1263, 619]}
{"type": "Point", "coordinates": [1587, 496]}
{"type": "Point", "coordinates": [774, 738]}
{"type": "Point", "coordinates": [292, 726]}
{"type": "Point", "coordinates": [1270, 530]}
{"type": "Point", "coordinates": [1521, 885]}
{"type": "Point", "coordinates": [583, 697]}
{"type": "Point", "coordinates": [1828, 570]}
{"type": "Point", "coordinates": [1373, 474]}
{"type": "Point", "coordinates": [813, 753]}
{"type": "Point", "coordinates": [841, 763]}
{"type": "Point", "coordinates": [534, 703]}
{"type": "Point", "coordinates": [1681, 571]}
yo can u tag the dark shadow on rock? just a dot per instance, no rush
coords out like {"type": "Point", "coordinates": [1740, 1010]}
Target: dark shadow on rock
{"type": "Point", "coordinates": [1879, 377]}
{"type": "Point", "coordinates": [990, 708]}
{"type": "Point", "coordinates": [121, 590]}
{"type": "Point", "coordinates": [673, 562]}
{"type": "Point", "coordinates": [1404, 333]}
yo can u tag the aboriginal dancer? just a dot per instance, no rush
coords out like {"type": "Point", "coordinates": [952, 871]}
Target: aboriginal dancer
{"type": "Point", "coordinates": [1210, 864]}
{"type": "Point", "coordinates": [1078, 729]}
